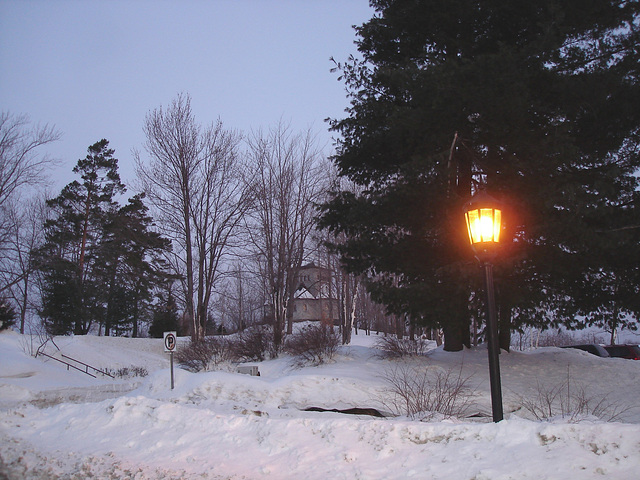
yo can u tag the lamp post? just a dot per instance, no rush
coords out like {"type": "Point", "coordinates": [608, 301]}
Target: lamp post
{"type": "Point", "coordinates": [483, 215]}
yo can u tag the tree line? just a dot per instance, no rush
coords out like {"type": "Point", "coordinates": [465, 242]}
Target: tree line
{"type": "Point", "coordinates": [216, 234]}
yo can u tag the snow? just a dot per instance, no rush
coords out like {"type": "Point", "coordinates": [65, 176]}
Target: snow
{"type": "Point", "coordinates": [56, 423]}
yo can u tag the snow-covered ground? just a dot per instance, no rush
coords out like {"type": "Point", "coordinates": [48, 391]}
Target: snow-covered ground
{"type": "Point", "coordinates": [64, 424]}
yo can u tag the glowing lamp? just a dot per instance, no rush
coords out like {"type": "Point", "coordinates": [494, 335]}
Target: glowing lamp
{"type": "Point", "coordinates": [483, 215]}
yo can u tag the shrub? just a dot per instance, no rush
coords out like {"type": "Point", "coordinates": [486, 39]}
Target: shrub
{"type": "Point", "coordinates": [128, 372]}
{"type": "Point", "coordinates": [556, 338]}
{"type": "Point", "coordinates": [206, 354]}
{"type": "Point", "coordinates": [426, 392]}
{"type": "Point", "coordinates": [314, 344]}
{"type": "Point", "coordinates": [570, 400]}
{"type": "Point", "coordinates": [253, 344]}
{"type": "Point", "coordinates": [394, 347]}
{"type": "Point", "coordinates": [561, 338]}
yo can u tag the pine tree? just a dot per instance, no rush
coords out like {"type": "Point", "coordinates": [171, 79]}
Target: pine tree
{"type": "Point", "coordinates": [534, 100]}
{"type": "Point", "coordinates": [71, 293]}
{"type": "Point", "coordinates": [130, 265]}
{"type": "Point", "coordinates": [8, 314]}
{"type": "Point", "coordinates": [165, 318]}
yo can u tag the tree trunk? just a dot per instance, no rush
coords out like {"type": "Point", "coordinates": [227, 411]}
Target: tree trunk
{"type": "Point", "coordinates": [399, 326]}
{"type": "Point", "coordinates": [85, 231]}
{"type": "Point", "coordinates": [456, 334]}
{"type": "Point", "coordinates": [614, 325]}
{"type": "Point", "coordinates": [278, 321]}
{"type": "Point", "coordinates": [289, 310]}
{"type": "Point", "coordinates": [346, 336]}
{"type": "Point", "coordinates": [452, 338]}
{"type": "Point", "coordinates": [136, 312]}
{"type": "Point", "coordinates": [23, 309]}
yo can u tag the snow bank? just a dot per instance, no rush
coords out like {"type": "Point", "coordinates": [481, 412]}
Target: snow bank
{"type": "Point", "coordinates": [222, 425]}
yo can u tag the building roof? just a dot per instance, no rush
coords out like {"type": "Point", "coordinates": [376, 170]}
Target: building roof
{"type": "Point", "coordinates": [312, 265]}
{"type": "Point", "coordinates": [303, 293]}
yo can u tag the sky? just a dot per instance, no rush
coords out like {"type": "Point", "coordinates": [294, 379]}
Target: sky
{"type": "Point", "coordinates": [94, 69]}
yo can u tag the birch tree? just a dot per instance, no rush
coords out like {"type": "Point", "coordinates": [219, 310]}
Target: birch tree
{"type": "Point", "coordinates": [193, 179]}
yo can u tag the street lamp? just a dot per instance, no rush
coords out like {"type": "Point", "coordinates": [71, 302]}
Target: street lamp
{"type": "Point", "coordinates": [483, 215]}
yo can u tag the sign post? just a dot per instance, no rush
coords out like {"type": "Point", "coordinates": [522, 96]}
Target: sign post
{"type": "Point", "coordinates": [170, 346]}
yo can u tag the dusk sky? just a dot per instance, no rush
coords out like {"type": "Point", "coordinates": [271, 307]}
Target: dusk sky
{"type": "Point", "coordinates": [96, 68]}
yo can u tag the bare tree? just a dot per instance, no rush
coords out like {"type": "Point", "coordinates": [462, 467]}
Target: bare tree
{"type": "Point", "coordinates": [20, 163]}
{"type": "Point", "coordinates": [240, 303]}
{"type": "Point", "coordinates": [345, 287]}
{"type": "Point", "coordinates": [289, 183]}
{"type": "Point", "coordinates": [342, 286]}
{"type": "Point", "coordinates": [193, 179]}
{"type": "Point", "coordinates": [17, 264]}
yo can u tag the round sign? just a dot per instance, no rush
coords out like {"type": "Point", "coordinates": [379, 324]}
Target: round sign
{"type": "Point", "coordinates": [169, 341]}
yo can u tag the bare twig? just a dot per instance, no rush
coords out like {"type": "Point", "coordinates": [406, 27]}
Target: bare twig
{"type": "Point", "coordinates": [427, 391]}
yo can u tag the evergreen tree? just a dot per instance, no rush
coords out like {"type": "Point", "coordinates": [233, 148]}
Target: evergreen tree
{"type": "Point", "coordinates": [101, 261]}
{"type": "Point", "coordinates": [537, 101]}
{"type": "Point", "coordinates": [130, 265]}
{"type": "Point", "coordinates": [165, 318]}
{"type": "Point", "coordinates": [8, 314]}
{"type": "Point", "coordinates": [61, 296]}
{"type": "Point", "coordinates": [72, 293]}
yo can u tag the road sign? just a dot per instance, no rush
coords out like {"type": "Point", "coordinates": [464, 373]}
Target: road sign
{"type": "Point", "coordinates": [170, 346]}
{"type": "Point", "coordinates": [170, 342]}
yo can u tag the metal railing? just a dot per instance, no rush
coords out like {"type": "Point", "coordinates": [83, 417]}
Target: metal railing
{"type": "Point", "coordinates": [87, 367]}
{"type": "Point", "coordinates": [69, 365]}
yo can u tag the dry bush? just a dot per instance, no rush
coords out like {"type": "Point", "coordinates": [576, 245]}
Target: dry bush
{"type": "Point", "coordinates": [128, 372]}
{"type": "Point", "coordinates": [556, 338]}
{"type": "Point", "coordinates": [314, 345]}
{"type": "Point", "coordinates": [394, 347]}
{"type": "Point", "coordinates": [37, 338]}
{"type": "Point", "coordinates": [570, 400]}
{"type": "Point", "coordinates": [206, 354]}
{"type": "Point", "coordinates": [254, 344]}
{"type": "Point", "coordinates": [562, 338]}
{"type": "Point", "coordinates": [426, 392]}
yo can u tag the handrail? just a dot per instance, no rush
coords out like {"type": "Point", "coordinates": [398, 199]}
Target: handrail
{"type": "Point", "coordinates": [44, 344]}
{"type": "Point", "coordinates": [67, 364]}
{"type": "Point", "coordinates": [88, 366]}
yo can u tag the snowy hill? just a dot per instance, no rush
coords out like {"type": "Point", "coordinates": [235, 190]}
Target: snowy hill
{"type": "Point", "coordinates": [56, 423]}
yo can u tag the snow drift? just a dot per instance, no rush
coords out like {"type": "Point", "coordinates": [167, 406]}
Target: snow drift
{"type": "Point", "coordinates": [56, 423]}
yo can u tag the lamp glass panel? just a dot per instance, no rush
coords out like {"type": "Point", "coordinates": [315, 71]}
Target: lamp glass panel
{"type": "Point", "coordinates": [497, 222]}
{"type": "Point", "coordinates": [473, 221]}
{"type": "Point", "coordinates": [486, 225]}
{"type": "Point", "coordinates": [483, 225]}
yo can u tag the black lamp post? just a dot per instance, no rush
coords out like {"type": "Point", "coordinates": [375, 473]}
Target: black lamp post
{"type": "Point", "coordinates": [483, 215]}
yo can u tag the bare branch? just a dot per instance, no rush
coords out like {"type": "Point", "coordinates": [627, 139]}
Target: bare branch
{"type": "Point", "coordinates": [20, 165]}
{"type": "Point", "coordinates": [193, 181]}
